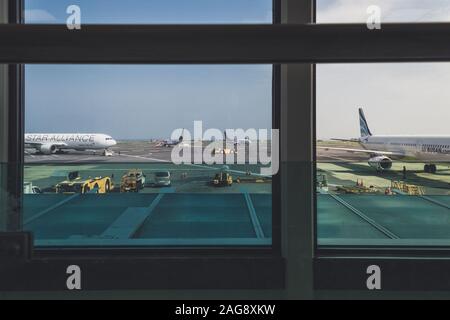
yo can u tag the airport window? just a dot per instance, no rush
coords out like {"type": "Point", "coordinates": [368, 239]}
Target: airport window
{"type": "Point", "coordinates": [106, 155]}
{"type": "Point", "coordinates": [383, 170]}
{"type": "Point", "coordinates": [100, 139]}
{"type": "Point", "coordinates": [377, 196]}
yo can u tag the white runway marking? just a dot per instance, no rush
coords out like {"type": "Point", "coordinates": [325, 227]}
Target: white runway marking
{"type": "Point", "coordinates": [229, 170]}
{"type": "Point", "coordinates": [146, 158]}
{"type": "Point", "coordinates": [44, 158]}
{"type": "Point", "coordinates": [342, 159]}
{"type": "Point", "coordinates": [81, 160]}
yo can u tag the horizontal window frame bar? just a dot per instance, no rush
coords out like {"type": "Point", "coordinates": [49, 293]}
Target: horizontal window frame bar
{"type": "Point", "coordinates": [413, 251]}
{"type": "Point", "coordinates": [251, 272]}
{"type": "Point", "coordinates": [214, 44]}
{"type": "Point", "coordinates": [397, 274]}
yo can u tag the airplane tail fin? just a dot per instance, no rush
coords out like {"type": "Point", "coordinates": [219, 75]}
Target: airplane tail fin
{"type": "Point", "coordinates": [364, 127]}
{"type": "Point", "coordinates": [180, 139]}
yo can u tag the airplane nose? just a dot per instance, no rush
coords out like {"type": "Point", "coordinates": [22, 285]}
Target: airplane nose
{"type": "Point", "coordinates": [113, 142]}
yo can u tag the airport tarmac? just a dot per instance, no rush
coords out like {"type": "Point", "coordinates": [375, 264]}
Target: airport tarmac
{"type": "Point", "coordinates": [147, 151]}
{"type": "Point", "coordinates": [45, 171]}
{"type": "Point", "coordinates": [129, 151]}
{"type": "Point", "coordinates": [192, 211]}
{"type": "Point", "coordinates": [342, 168]}
{"type": "Point", "coordinates": [124, 151]}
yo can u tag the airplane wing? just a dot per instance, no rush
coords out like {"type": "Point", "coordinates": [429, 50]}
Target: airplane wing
{"type": "Point", "coordinates": [377, 152]}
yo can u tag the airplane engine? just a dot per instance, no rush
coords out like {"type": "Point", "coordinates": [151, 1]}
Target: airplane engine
{"type": "Point", "coordinates": [48, 149]}
{"type": "Point", "coordinates": [380, 163]}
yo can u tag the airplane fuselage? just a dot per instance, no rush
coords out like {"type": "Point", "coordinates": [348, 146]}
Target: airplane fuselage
{"type": "Point", "coordinates": [426, 148]}
{"type": "Point", "coordinates": [52, 142]}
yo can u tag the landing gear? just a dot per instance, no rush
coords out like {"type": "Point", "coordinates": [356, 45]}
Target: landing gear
{"type": "Point", "coordinates": [430, 168]}
{"type": "Point", "coordinates": [433, 168]}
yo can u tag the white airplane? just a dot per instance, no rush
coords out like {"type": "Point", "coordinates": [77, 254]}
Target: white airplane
{"type": "Point", "coordinates": [237, 141]}
{"type": "Point", "coordinates": [50, 143]}
{"type": "Point", "coordinates": [430, 149]}
{"type": "Point", "coordinates": [171, 143]}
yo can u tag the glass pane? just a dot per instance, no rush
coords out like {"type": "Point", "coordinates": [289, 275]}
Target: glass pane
{"type": "Point", "coordinates": [150, 11]}
{"type": "Point", "coordinates": [138, 155]}
{"type": "Point", "coordinates": [349, 11]}
{"type": "Point", "coordinates": [383, 154]}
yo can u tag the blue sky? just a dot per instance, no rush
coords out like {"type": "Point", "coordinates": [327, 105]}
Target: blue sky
{"type": "Point", "coordinates": [157, 99]}
{"type": "Point", "coordinates": [398, 98]}
{"type": "Point", "coordinates": [148, 101]}
{"type": "Point", "coordinates": [145, 101]}
{"type": "Point", "coordinates": [153, 11]}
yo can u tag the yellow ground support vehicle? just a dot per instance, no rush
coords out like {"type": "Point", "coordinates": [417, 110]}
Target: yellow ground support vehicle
{"type": "Point", "coordinates": [132, 181]}
{"type": "Point", "coordinates": [90, 185]}
{"type": "Point", "coordinates": [222, 179]}
{"type": "Point", "coordinates": [405, 188]}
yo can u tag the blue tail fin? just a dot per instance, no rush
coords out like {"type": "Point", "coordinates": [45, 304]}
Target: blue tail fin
{"type": "Point", "coordinates": [365, 131]}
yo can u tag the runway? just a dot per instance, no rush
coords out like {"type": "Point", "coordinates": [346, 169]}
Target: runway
{"type": "Point", "coordinates": [342, 168]}
{"type": "Point", "coordinates": [130, 152]}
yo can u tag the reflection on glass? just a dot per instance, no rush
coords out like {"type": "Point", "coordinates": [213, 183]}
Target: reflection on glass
{"type": "Point", "coordinates": [383, 170]}
{"type": "Point", "coordinates": [102, 150]}
{"type": "Point", "coordinates": [106, 205]}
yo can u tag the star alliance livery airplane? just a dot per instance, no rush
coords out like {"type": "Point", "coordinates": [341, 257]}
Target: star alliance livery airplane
{"type": "Point", "coordinates": [50, 143]}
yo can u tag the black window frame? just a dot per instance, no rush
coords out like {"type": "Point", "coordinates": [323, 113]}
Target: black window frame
{"type": "Point", "coordinates": [405, 269]}
{"type": "Point", "coordinates": [273, 249]}
{"type": "Point", "coordinates": [221, 259]}
{"type": "Point", "coordinates": [257, 44]}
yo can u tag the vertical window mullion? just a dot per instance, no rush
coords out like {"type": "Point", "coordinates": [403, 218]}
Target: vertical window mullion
{"type": "Point", "coordinates": [297, 161]}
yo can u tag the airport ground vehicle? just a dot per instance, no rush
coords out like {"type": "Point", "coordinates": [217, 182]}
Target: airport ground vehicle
{"type": "Point", "coordinates": [402, 187]}
{"type": "Point", "coordinates": [132, 181]}
{"type": "Point", "coordinates": [107, 153]}
{"type": "Point", "coordinates": [222, 179]}
{"type": "Point", "coordinates": [223, 151]}
{"type": "Point", "coordinates": [28, 188]}
{"type": "Point", "coordinates": [79, 185]}
{"type": "Point", "coordinates": [162, 179]}
{"type": "Point", "coordinates": [321, 182]}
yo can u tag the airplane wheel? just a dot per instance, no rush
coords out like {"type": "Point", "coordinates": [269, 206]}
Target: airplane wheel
{"type": "Point", "coordinates": [426, 168]}
{"type": "Point", "coordinates": [107, 186]}
{"type": "Point", "coordinates": [433, 168]}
